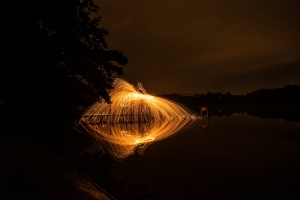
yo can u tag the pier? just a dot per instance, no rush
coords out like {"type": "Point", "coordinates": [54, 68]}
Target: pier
{"type": "Point", "coordinates": [117, 119]}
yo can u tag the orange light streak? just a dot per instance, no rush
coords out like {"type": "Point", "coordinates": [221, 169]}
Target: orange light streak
{"type": "Point", "coordinates": [134, 120]}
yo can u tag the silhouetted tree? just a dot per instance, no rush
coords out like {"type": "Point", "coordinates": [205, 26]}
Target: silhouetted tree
{"type": "Point", "coordinates": [289, 94]}
{"type": "Point", "coordinates": [54, 59]}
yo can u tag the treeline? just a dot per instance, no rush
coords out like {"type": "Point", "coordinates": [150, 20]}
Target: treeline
{"type": "Point", "coordinates": [289, 94]}
{"type": "Point", "coordinates": [288, 112]}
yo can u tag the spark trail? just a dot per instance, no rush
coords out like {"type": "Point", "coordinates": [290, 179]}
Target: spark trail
{"type": "Point", "coordinates": [134, 120]}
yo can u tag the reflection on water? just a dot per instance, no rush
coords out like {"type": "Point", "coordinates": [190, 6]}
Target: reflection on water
{"type": "Point", "coordinates": [122, 139]}
{"type": "Point", "coordinates": [134, 120]}
{"type": "Point", "coordinates": [242, 157]}
{"type": "Point", "coordinates": [204, 117]}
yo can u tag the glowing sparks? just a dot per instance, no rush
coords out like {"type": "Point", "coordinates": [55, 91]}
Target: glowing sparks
{"type": "Point", "coordinates": [134, 120]}
{"type": "Point", "coordinates": [144, 140]}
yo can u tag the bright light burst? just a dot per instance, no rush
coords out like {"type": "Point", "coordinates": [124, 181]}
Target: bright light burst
{"type": "Point", "coordinates": [134, 120]}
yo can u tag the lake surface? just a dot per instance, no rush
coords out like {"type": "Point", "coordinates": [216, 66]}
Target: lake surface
{"type": "Point", "coordinates": [239, 157]}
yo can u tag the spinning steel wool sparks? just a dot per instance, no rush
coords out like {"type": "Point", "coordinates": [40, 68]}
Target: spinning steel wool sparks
{"type": "Point", "coordinates": [133, 120]}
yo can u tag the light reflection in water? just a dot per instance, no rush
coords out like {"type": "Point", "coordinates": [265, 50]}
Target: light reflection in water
{"type": "Point", "coordinates": [134, 120]}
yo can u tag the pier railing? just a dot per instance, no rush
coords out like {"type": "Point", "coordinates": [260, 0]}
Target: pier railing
{"type": "Point", "coordinates": [117, 119]}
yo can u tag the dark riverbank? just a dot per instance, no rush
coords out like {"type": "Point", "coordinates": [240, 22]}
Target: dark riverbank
{"type": "Point", "coordinates": [41, 166]}
{"type": "Point", "coordinates": [28, 171]}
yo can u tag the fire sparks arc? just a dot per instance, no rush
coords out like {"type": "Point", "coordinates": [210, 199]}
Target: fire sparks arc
{"type": "Point", "coordinates": [134, 120]}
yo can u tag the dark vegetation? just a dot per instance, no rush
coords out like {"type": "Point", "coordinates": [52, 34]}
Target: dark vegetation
{"type": "Point", "coordinates": [264, 103]}
{"type": "Point", "coordinates": [54, 62]}
{"type": "Point", "coordinates": [289, 94]}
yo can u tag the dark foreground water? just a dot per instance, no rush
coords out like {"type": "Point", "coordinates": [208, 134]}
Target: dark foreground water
{"type": "Point", "coordinates": [239, 157]}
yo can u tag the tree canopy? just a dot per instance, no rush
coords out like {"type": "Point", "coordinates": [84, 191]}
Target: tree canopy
{"type": "Point", "coordinates": [55, 59]}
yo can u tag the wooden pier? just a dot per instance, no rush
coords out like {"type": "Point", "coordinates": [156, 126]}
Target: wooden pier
{"type": "Point", "coordinates": [117, 119]}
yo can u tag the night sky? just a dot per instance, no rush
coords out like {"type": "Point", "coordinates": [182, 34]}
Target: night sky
{"type": "Point", "coordinates": [196, 46]}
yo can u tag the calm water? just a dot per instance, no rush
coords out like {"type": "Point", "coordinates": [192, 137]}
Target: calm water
{"type": "Point", "coordinates": [239, 157]}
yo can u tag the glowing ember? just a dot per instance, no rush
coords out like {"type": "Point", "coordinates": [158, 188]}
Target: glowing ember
{"type": "Point", "coordinates": [134, 119]}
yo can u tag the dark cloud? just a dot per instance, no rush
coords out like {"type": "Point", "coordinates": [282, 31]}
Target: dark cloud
{"type": "Point", "coordinates": [200, 46]}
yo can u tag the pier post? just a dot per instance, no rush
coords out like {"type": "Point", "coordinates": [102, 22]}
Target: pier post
{"type": "Point", "coordinates": [205, 119]}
